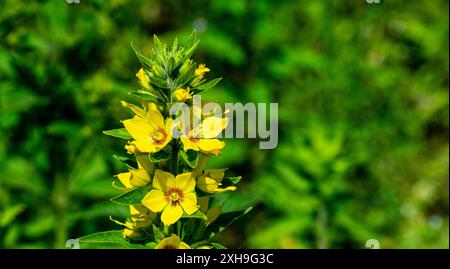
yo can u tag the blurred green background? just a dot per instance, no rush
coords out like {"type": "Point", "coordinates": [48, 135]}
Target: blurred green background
{"type": "Point", "coordinates": [364, 121]}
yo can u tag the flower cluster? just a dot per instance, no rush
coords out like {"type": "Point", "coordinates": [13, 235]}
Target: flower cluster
{"type": "Point", "coordinates": [167, 187]}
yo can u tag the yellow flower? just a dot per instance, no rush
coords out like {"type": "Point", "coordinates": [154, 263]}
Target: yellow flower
{"type": "Point", "coordinates": [201, 70]}
{"type": "Point", "coordinates": [131, 149]}
{"type": "Point", "coordinates": [210, 181]}
{"type": "Point", "coordinates": [151, 133]}
{"type": "Point", "coordinates": [144, 80]}
{"type": "Point", "coordinates": [172, 195]}
{"type": "Point", "coordinates": [139, 111]}
{"type": "Point", "coordinates": [203, 137]}
{"type": "Point", "coordinates": [211, 213]}
{"type": "Point", "coordinates": [144, 163]}
{"type": "Point", "coordinates": [141, 216]}
{"type": "Point", "coordinates": [173, 242]}
{"type": "Point", "coordinates": [182, 95]}
{"type": "Point", "coordinates": [199, 73]}
{"type": "Point", "coordinates": [134, 179]}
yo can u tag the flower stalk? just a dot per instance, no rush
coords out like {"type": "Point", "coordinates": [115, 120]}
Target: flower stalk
{"type": "Point", "coordinates": [170, 193]}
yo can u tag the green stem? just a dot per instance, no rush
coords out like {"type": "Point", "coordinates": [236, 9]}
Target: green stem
{"type": "Point", "coordinates": [174, 158]}
{"type": "Point", "coordinates": [60, 199]}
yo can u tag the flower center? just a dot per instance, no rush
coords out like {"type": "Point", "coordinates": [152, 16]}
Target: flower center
{"type": "Point", "coordinates": [159, 136]}
{"type": "Point", "coordinates": [174, 196]}
{"type": "Point", "coordinates": [192, 136]}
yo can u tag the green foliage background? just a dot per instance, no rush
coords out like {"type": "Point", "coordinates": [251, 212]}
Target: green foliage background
{"type": "Point", "coordinates": [364, 121]}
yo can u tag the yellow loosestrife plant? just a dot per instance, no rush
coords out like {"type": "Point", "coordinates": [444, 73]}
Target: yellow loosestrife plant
{"type": "Point", "coordinates": [172, 198]}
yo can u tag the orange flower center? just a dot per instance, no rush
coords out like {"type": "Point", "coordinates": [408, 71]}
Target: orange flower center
{"type": "Point", "coordinates": [159, 136]}
{"type": "Point", "coordinates": [174, 196]}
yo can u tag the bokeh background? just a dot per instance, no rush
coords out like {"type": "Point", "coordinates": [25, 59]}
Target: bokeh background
{"type": "Point", "coordinates": [363, 116]}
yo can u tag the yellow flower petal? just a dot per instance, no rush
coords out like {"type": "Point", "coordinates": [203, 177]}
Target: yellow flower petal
{"type": "Point", "coordinates": [155, 118]}
{"type": "Point", "coordinates": [145, 145]}
{"type": "Point", "coordinates": [131, 149]}
{"type": "Point", "coordinates": [172, 242]}
{"type": "Point", "coordinates": [129, 233]}
{"type": "Point", "coordinates": [207, 184]}
{"type": "Point", "coordinates": [124, 178]}
{"type": "Point", "coordinates": [168, 129]}
{"type": "Point", "coordinates": [139, 178]}
{"type": "Point", "coordinates": [137, 210]}
{"type": "Point", "coordinates": [212, 127]}
{"type": "Point", "coordinates": [155, 200]}
{"type": "Point", "coordinates": [184, 246]}
{"type": "Point", "coordinates": [188, 144]}
{"type": "Point", "coordinates": [185, 182]}
{"type": "Point", "coordinates": [144, 80]}
{"type": "Point", "coordinates": [171, 214]}
{"type": "Point", "coordinates": [135, 109]}
{"type": "Point", "coordinates": [201, 70]}
{"type": "Point", "coordinates": [221, 190]}
{"type": "Point", "coordinates": [189, 203]}
{"type": "Point", "coordinates": [138, 128]}
{"type": "Point", "coordinates": [209, 144]}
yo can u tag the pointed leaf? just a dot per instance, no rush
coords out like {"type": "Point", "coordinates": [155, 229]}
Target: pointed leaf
{"type": "Point", "coordinates": [133, 197]}
{"type": "Point", "coordinates": [206, 86]}
{"type": "Point", "coordinates": [120, 133]}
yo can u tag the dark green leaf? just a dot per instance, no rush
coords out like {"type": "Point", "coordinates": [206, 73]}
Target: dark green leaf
{"type": "Point", "coordinates": [128, 161]}
{"type": "Point", "coordinates": [133, 197]}
{"type": "Point", "coordinates": [196, 215]}
{"type": "Point", "coordinates": [228, 181]}
{"type": "Point", "coordinates": [190, 157]}
{"type": "Point", "coordinates": [159, 156]}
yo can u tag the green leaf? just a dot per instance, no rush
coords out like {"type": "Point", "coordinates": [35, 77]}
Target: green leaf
{"type": "Point", "coordinates": [120, 133]}
{"type": "Point", "coordinates": [206, 86]}
{"type": "Point", "coordinates": [234, 201]}
{"type": "Point", "coordinates": [192, 39]}
{"type": "Point", "coordinates": [147, 96]}
{"type": "Point", "coordinates": [228, 181]}
{"type": "Point", "coordinates": [196, 215]}
{"type": "Point", "coordinates": [109, 237]}
{"type": "Point", "coordinates": [190, 157]}
{"type": "Point", "coordinates": [9, 214]}
{"type": "Point", "coordinates": [128, 161]}
{"type": "Point", "coordinates": [157, 233]}
{"type": "Point", "coordinates": [133, 197]}
{"type": "Point", "coordinates": [160, 83]}
{"type": "Point", "coordinates": [217, 246]}
{"type": "Point", "coordinates": [151, 245]}
{"type": "Point", "coordinates": [185, 77]}
{"type": "Point", "coordinates": [158, 45]}
{"type": "Point", "coordinates": [223, 221]}
{"type": "Point", "coordinates": [159, 156]}
{"type": "Point", "coordinates": [142, 59]}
